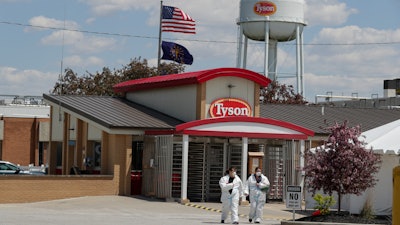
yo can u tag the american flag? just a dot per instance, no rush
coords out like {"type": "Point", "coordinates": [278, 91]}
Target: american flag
{"type": "Point", "coordinates": [175, 20]}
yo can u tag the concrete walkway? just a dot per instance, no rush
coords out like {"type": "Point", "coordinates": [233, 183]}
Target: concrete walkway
{"type": "Point", "coordinates": [121, 210]}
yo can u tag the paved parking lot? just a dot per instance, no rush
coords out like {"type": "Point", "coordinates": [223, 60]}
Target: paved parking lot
{"type": "Point", "coordinates": [126, 210]}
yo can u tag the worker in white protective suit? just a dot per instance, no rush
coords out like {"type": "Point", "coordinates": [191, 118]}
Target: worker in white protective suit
{"type": "Point", "coordinates": [231, 190]}
{"type": "Point", "coordinates": [257, 186]}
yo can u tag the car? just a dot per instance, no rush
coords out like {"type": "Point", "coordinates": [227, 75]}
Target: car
{"type": "Point", "coordinates": [11, 168]}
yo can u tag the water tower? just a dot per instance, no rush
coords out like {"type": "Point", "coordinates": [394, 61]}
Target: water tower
{"type": "Point", "coordinates": [272, 22]}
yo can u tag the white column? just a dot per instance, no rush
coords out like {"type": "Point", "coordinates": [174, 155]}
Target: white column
{"type": "Point", "coordinates": [303, 91]}
{"type": "Point", "coordinates": [239, 47]}
{"type": "Point", "coordinates": [266, 59]}
{"type": "Point", "coordinates": [293, 162]}
{"type": "Point", "coordinates": [246, 42]}
{"type": "Point", "coordinates": [245, 143]}
{"type": "Point", "coordinates": [299, 61]}
{"type": "Point", "coordinates": [302, 174]}
{"type": "Point", "coordinates": [185, 164]}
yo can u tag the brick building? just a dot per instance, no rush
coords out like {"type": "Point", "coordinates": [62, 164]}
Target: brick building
{"type": "Point", "coordinates": [24, 131]}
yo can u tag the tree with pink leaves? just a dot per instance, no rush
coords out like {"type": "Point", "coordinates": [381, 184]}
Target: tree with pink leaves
{"type": "Point", "coordinates": [342, 164]}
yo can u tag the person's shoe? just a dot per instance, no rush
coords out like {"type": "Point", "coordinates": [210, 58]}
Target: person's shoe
{"type": "Point", "coordinates": [257, 222]}
{"type": "Point", "coordinates": [222, 221]}
{"type": "Point", "coordinates": [250, 220]}
{"type": "Point", "coordinates": [235, 223]}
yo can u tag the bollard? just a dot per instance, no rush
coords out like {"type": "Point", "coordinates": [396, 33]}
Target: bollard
{"type": "Point", "coordinates": [396, 196]}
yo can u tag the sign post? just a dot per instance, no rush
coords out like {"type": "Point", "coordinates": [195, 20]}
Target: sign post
{"type": "Point", "coordinates": [293, 198]}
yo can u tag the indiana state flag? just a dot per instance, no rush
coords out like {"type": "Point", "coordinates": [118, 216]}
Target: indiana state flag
{"type": "Point", "coordinates": [175, 52]}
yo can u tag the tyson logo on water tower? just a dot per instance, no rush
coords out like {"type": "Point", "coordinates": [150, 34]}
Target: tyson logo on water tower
{"type": "Point", "coordinates": [224, 107]}
{"type": "Point", "coordinates": [264, 8]}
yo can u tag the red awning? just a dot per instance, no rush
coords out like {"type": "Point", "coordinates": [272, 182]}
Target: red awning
{"type": "Point", "coordinates": [189, 78]}
{"type": "Point", "coordinates": [251, 127]}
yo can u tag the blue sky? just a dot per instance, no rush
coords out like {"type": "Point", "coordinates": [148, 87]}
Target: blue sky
{"type": "Point", "coordinates": [349, 46]}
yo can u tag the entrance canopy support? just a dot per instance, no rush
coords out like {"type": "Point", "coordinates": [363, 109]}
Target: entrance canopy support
{"type": "Point", "coordinates": [185, 166]}
{"type": "Point", "coordinates": [245, 142]}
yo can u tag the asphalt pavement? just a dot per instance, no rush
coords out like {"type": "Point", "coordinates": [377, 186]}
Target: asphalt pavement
{"type": "Point", "coordinates": [107, 210]}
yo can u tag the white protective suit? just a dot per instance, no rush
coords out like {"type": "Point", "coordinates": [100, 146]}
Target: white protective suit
{"type": "Point", "coordinates": [230, 201]}
{"type": "Point", "coordinates": [257, 197]}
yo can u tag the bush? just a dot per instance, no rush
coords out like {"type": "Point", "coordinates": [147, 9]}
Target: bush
{"type": "Point", "coordinates": [323, 203]}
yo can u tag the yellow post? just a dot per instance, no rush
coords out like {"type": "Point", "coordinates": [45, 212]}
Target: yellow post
{"type": "Point", "coordinates": [396, 196]}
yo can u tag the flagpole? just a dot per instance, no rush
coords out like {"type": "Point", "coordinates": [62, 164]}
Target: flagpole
{"type": "Point", "coordinates": [159, 40]}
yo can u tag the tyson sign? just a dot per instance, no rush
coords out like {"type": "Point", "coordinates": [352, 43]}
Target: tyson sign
{"type": "Point", "coordinates": [229, 107]}
{"type": "Point", "coordinates": [264, 8]}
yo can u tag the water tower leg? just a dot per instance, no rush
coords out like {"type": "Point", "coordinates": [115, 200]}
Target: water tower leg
{"type": "Point", "coordinates": [266, 49]}
{"type": "Point", "coordinates": [298, 67]}
{"type": "Point", "coordinates": [303, 91]}
{"type": "Point", "coordinates": [272, 59]}
{"type": "Point", "coordinates": [239, 47]}
{"type": "Point", "coordinates": [299, 61]}
{"type": "Point", "coordinates": [246, 41]}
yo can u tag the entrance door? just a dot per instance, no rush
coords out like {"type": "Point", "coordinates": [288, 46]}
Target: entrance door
{"type": "Point", "coordinates": [136, 172]}
{"type": "Point", "coordinates": [235, 158]}
{"type": "Point", "coordinates": [275, 171]}
{"type": "Point", "coordinates": [196, 172]}
{"type": "Point", "coordinates": [214, 171]}
{"type": "Point", "coordinates": [206, 166]}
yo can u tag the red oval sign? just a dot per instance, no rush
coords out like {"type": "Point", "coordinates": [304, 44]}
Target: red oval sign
{"type": "Point", "coordinates": [229, 107]}
{"type": "Point", "coordinates": [264, 8]}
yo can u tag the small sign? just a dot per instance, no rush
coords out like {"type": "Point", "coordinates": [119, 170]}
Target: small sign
{"type": "Point", "coordinates": [293, 197]}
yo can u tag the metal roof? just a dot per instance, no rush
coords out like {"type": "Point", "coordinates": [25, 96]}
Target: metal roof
{"type": "Point", "coordinates": [316, 117]}
{"type": "Point", "coordinates": [114, 112]}
{"type": "Point", "coordinates": [174, 80]}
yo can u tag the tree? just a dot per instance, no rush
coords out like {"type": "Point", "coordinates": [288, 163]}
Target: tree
{"type": "Point", "coordinates": [101, 83]}
{"type": "Point", "coordinates": [68, 84]}
{"type": "Point", "coordinates": [342, 164]}
{"type": "Point", "coordinates": [281, 94]}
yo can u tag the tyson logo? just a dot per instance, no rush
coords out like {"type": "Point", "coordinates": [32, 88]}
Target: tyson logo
{"type": "Point", "coordinates": [229, 107]}
{"type": "Point", "coordinates": [264, 8]}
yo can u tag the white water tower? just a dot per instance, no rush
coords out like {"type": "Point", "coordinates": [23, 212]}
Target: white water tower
{"type": "Point", "coordinates": [272, 21]}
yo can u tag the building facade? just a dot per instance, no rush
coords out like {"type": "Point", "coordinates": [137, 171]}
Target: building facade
{"type": "Point", "coordinates": [178, 133]}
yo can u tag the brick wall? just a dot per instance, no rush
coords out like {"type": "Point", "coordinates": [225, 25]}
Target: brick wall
{"type": "Point", "coordinates": [21, 140]}
{"type": "Point", "coordinates": [24, 188]}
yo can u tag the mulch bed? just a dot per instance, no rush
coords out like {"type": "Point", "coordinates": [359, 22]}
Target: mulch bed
{"type": "Point", "coordinates": [344, 217]}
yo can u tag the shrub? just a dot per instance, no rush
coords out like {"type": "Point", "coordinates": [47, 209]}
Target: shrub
{"type": "Point", "coordinates": [367, 212]}
{"type": "Point", "coordinates": [324, 203]}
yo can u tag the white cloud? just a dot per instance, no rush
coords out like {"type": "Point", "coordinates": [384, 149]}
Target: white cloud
{"type": "Point", "coordinates": [76, 61]}
{"type": "Point", "coordinates": [94, 44]}
{"type": "Point", "coordinates": [42, 23]}
{"type": "Point", "coordinates": [344, 54]}
{"type": "Point", "coordinates": [350, 67]}
{"type": "Point", "coordinates": [78, 42]}
{"type": "Point", "coordinates": [90, 20]}
{"type": "Point", "coordinates": [327, 12]}
{"type": "Point", "coordinates": [26, 82]}
{"type": "Point", "coordinates": [342, 86]}
{"type": "Point", "coordinates": [106, 7]}
{"type": "Point", "coordinates": [61, 37]}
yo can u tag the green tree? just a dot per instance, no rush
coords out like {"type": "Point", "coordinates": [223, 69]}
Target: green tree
{"type": "Point", "coordinates": [101, 83]}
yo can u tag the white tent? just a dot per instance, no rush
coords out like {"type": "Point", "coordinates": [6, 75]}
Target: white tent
{"type": "Point", "coordinates": [384, 140]}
